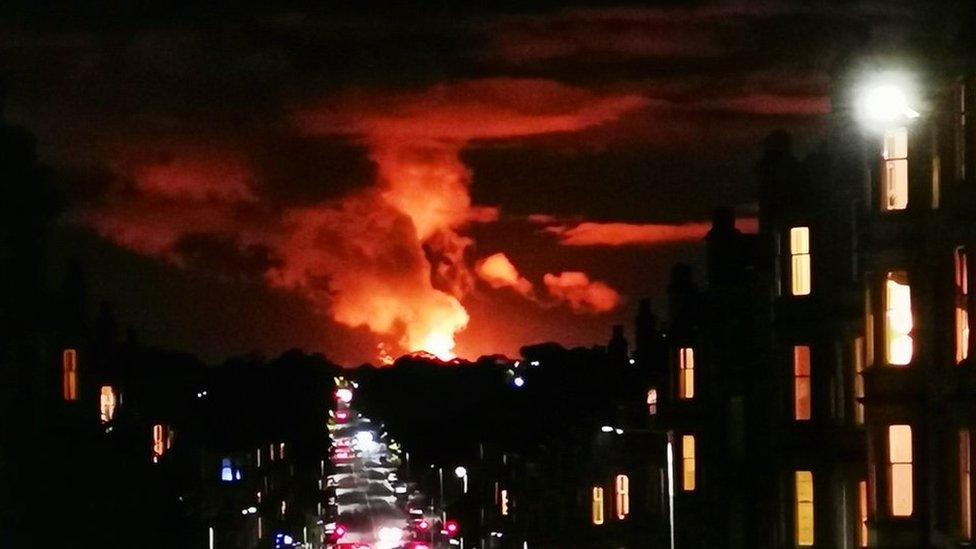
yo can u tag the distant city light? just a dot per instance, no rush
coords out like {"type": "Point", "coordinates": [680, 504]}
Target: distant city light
{"type": "Point", "coordinates": [389, 536]}
{"type": "Point", "coordinates": [619, 431]}
{"type": "Point", "coordinates": [519, 381]}
{"type": "Point", "coordinates": [606, 429]}
{"type": "Point", "coordinates": [460, 472]}
{"type": "Point", "coordinates": [452, 527]}
{"type": "Point", "coordinates": [534, 363]}
{"type": "Point", "coordinates": [632, 362]}
{"type": "Point", "coordinates": [366, 442]}
{"type": "Point", "coordinates": [343, 395]}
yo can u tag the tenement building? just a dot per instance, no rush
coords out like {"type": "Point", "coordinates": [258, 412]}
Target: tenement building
{"type": "Point", "coordinates": [820, 390]}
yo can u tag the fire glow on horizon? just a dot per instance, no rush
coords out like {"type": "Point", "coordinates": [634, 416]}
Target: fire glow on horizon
{"type": "Point", "coordinates": [392, 256]}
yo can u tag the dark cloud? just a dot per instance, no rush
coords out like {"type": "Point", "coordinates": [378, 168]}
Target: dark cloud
{"type": "Point", "coordinates": [173, 126]}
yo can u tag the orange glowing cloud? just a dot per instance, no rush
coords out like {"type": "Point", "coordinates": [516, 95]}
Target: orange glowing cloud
{"type": "Point", "coordinates": [416, 140]}
{"type": "Point", "coordinates": [498, 272]}
{"type": "Point", "coordinates": [580, 293]}
{"type": "Point", "coordinates": [390, 257]}
{"type": "Point", "coordinates": [572, 288]}
{"type": "Point", "coordinates": [631, 234]}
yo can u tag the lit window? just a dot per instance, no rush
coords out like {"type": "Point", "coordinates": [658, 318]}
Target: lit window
{"type": "Point", "coordinates": [597, 505]}
{"type": "Point", "coordinates": [900, 470]}
{"type": "Point", "coordinates": [859, 380]}
{"type": "Point", "coordinates": [962, 271]}
{"type": "Point", "coordinates": [868, 329]}
{"type": "Point", "coordinates": [801, 382]}
{"type": "Point", "coordinates": [284, 507]}
{"type": "Point", "coordinates": [961, 261]}
{"type": "Point", "coordinates": [226, 470]}
{"type": "Point", "coordinates": [69, 374]}
{"type": "Point", "coordinates": [621, 489]}
{"type": "Point", "coordinates": [804, 508]}
{"type": "Point", "coordinates": [161, 441]}
{"type": "Point", "coordinates": [962, 334]}
{"type": "Point", "coordinates": [688, 463]}
{"type": "Point", "coordinates": [800, 260]}
{"type": "Point", "coordinates": [862, 510]}
{"type": "Point", "coordinates": [686, 372]}
{"type": "Point", "coordinates": [652, 401]}
{"type": "Point", "coordinates": [106, 404]}
{"type": "Point", "coordinates": [504, 503]}
{"type": "Point", "coordinates": [281, 451]}
{"type": "Point", "coordinates": [894, 177]}
{"type": "Point", "coordinates": [899, 345]}
{"type": "Point", "coordinates": [965, 485]}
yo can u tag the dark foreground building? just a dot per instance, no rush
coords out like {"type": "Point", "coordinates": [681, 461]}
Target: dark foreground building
{"type": "Point", "coordinates": [820, 390]}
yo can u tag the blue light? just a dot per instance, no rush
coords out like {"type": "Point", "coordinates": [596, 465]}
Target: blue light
{"type": "Point", "coordinates": [226, 471]}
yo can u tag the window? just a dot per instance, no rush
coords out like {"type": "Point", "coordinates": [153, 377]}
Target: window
{"type": "Point", "coordinates": [899, 345]}
{"type": "Point", "coordinates": [652, 401]}
{"type": "Point", "coordinates": [801, 383]}
{"type": "Point", "coordinates": [894, 176]}
{"type": "Point", "coordinates": [621, 491]}
{"type": "Point", "coordinates": [900, 470]}
{"type": "Point", "coordinates": [159, 442]}
{"type": "Point", "coordinates": [962, 271]}
{"type": "Point", "coordinates": [961, 261]}
{"type": "Point", "coordinates": [858, 360]}
{"type": "Point", "coordinates": [862, 510]}
{"type": "Point", "coordinates": [688, 463]}
{"type": "Point", "coordinates": [962, 334]}
{"type": "Point", "coordinates": [597, 505]}
{"type": "Point", "coordinates": [965, 485]}
{"type": "Point", "coordinates": [868, 329]}
{"type": "Point", "coordinates": [69, 374]}
{"type": "Point", "coordinates": [228, 472]}
{"type": "Point", "coordinates": [686, 373]}
{"type": "Point", "coordinates": [800, 260]}
{"type": "Point", "coordinates": [504, 502]}
{"type": "Point", "coordinates": [804, 508]}
{"type": "Point", "coordinates": [106, 404]}
{"type": "Point", "coordinates": [961, 134]}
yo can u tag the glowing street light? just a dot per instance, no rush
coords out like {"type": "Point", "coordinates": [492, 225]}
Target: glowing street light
{"type": "Point", "coordinates": [519, 381]}
{"type": "Point", "coordinates": [886, 103]}
{"type": "Point", "coordinates": [462, 473]}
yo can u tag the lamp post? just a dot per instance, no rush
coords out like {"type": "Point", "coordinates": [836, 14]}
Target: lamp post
{"type": "Point", "coordinates": [462, 473]}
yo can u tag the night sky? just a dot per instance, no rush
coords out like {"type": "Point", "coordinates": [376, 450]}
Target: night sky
{"type": "Point", "coordinates": [267, 177]}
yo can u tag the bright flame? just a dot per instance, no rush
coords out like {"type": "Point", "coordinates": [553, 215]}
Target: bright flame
{"type": "Point", "coordinates": [440, 344]}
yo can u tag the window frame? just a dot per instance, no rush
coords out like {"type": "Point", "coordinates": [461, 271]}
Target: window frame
{"type": "Point", "coordinates": [896, 463]}
{"type": "Point", "coordinates": [689, 475]}
{"type": "Point", "coordinates": [804, 534]}
{"type": "Point", "coordinates": [801, 275]}
{"type": "Point", "coordinates": [804, 379]}
{"type": "Point", "coordinates": [891, 161]}
{"type": "Point", "coordinates": [686, 373]}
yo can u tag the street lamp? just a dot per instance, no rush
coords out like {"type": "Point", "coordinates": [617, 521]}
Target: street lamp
{"type": "Point", "coordinates": [462, 473]}
{"type": "Point", "coordinates": [886, 99]}
{"type": "Point", "coordinates": [886, 103]}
